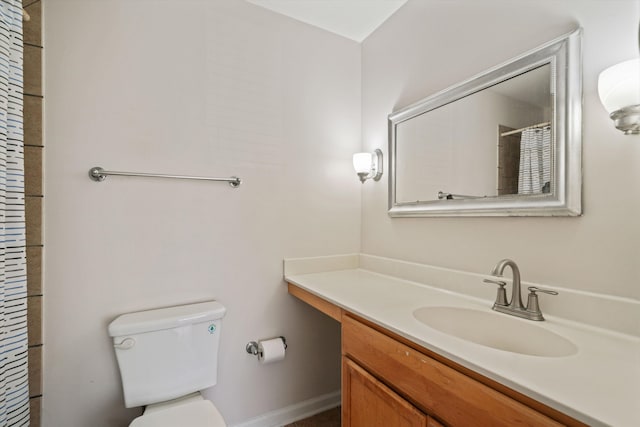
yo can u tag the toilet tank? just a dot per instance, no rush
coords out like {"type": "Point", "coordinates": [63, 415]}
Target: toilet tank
{"type": "Point", "coordinates": [167, 353]}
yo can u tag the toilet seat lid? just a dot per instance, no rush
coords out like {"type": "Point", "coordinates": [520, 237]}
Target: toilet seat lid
{"type": "Point", "coordinates": [201, 413]}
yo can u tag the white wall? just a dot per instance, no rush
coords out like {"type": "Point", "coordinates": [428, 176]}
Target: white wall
{"type": "Point", "coordinates": [429, 45]}
{"type": "Point", "coordinates": [210, 88]}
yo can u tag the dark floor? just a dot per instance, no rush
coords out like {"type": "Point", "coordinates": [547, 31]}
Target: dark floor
{"type": "Point", "coordinates": [330, 418]}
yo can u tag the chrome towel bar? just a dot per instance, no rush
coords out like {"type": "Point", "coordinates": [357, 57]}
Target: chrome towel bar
{"type": "Point", "coordinates": [98, 174]}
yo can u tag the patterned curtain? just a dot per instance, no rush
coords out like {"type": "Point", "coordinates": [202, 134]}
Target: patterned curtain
{"type": "Point", "coordinates": [14, 384]}
{"type": "Point", "coordinates": [535, 162]}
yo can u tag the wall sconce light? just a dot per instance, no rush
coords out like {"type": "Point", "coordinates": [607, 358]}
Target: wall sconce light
{"type": "Point", "coordinates": [368, 165]}
{"type": "Point", "coordinates": [619, 90]}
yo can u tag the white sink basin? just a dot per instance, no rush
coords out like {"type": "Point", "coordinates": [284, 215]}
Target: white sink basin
{"type": "Point", "coordinates": [498, 331]}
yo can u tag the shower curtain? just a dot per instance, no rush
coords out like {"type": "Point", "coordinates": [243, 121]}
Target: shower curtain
{"type": "Point", "coordinates": [535, 162]}
{"type": "Point", "coordinates": [14, 384]}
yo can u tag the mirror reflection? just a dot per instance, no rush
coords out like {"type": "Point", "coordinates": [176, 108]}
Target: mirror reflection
{"type": "Point", "coordinates": [506, 142]}
{"type": "Point", "coordinates": [494, 142]}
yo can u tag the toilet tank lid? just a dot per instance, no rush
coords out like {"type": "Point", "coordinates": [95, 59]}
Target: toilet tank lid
{"type": "Point", "coordinates": [165, 318]}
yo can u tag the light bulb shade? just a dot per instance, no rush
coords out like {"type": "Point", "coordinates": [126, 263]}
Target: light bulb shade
{"type": "Point", "coordinates": [619, 86]}
{"type": "Point", "coordinates": [362, 162]}
{"type": "Point", "coordinates": [368, 165]}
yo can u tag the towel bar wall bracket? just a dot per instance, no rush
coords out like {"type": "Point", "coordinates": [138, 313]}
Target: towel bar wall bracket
{"type": "Point", "coordinates": [98, 174]}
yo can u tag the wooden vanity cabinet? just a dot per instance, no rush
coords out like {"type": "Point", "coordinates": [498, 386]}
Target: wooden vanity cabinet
{"type": "Point", "coordinates": [423, 385]}
{"type": "Point", "coordinates": [389, 381]}
{"type": "Point", "coordinates": [368, 402]}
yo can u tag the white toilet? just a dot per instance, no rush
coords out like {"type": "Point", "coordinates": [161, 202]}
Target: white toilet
{"type": "Point", "coordinates": [166, 356]}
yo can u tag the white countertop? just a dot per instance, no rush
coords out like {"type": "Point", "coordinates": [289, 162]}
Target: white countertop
{"type": "Point", "coordinates": [600, 385]}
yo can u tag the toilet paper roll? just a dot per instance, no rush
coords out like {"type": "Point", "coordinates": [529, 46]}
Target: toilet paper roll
{"type": "Point", "coordinates": [271, 350]}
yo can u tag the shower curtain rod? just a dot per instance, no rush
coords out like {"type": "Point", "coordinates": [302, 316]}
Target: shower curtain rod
{"type": "Point", "coordinates": [98, 174]}
{"type": "Point", "coordinates": [539, 125]}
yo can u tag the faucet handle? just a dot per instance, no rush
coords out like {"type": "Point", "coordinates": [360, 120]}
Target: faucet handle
{"type": "Point", "coordinates": [533, 306]}
{"type": "Point", "coordinates": [501, 297]}
{"type": "Point", "coordinates": [533, 290]}
{"type": "Point", "coordinates": [500, 283]}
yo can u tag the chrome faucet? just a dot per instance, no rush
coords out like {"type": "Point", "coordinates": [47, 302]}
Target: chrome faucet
{"type": "Point", "coordinates": [515, 307]}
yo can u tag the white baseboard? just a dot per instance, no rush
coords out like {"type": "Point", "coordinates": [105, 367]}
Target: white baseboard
{"type": "Point", "coordinates": [299, 411]}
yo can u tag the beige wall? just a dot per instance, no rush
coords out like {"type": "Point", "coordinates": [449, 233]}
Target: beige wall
{"type": "Point", "coordinates": [429, 45]}
{"type": "Point", "coordinates": [222, 87]}
{"type": "Point", "coordinates": [449, 148]}
{"type": "Point", "coordinates": [210, 88]}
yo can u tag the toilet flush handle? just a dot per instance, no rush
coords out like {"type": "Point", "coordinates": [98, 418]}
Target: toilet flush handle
{"type": "Point", "coordinates": [126, 344]}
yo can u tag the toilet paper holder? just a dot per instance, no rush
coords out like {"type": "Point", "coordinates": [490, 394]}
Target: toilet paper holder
{"type": "Point", "coordinates": [254, 349]}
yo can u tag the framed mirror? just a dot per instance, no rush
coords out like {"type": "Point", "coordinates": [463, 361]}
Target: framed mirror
{"type": "Point", "coordinates": [506, 142]}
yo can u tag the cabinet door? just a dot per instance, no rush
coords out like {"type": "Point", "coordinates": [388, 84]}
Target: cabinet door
{"type": "Point", "coordinates": [366, 402]}
{"type": "Point", "coordinates": [451, 396]}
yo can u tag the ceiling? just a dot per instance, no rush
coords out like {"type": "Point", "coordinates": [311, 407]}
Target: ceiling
{"type": "Point", "coordinates": [353, 19]}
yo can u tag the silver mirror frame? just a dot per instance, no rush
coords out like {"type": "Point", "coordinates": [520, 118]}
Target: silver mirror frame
{"type": "Point", "coordinates": [565, 56]}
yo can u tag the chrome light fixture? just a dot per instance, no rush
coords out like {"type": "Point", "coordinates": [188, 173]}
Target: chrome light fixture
{"type": "Point", "coordinates": [368, 165]}
{"type": "Point", "coordinates": [619, 91]}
